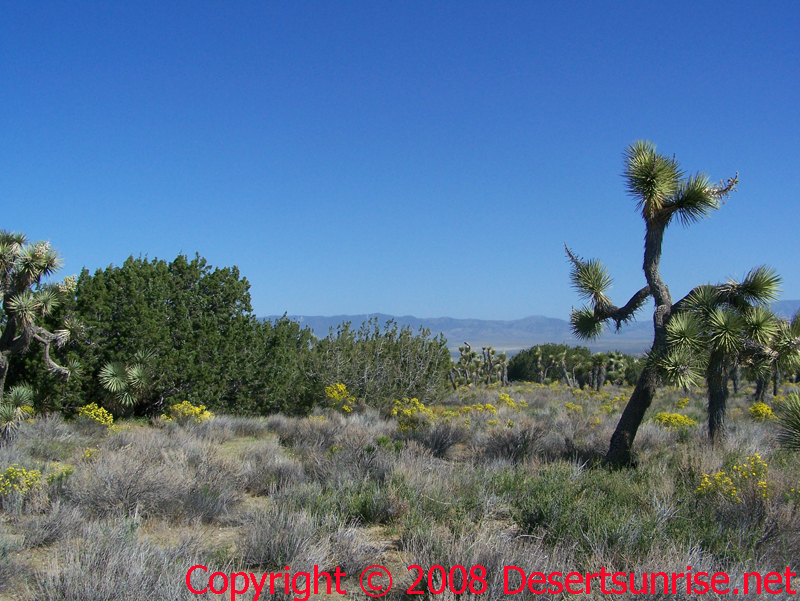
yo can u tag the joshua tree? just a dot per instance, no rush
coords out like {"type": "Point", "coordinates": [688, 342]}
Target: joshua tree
{"type": "Point", "coordinates": [472, 367]}
{"type": "Point", "coordinates": [784, 355]}
{"type": "Point", "coordinates": [25, 299]}
{"type": "Point", "coordinates": [717, 327]}
{"type": "Point", "coordinates": [662, 194]}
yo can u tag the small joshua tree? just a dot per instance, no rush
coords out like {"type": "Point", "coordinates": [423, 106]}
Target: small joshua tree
{"type": "Point", "coordinates": [662, 193]}
{"type": "Point", "coordinates": [716, 327]}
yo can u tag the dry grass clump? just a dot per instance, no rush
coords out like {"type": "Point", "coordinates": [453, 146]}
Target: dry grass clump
{"type": "Point", "coordinates": [48, 438]}
{"type": "Point", "coordinates": [60, 522]}
{"type": "Point", "coordinates": [439, 437]}
{"type": "Point", "coordinates": [8, 567]}
{"type": "Point", "coordinates": [267, 468]}
{"type": "Point", "coordinates": [156, 475]}
{"type": "Point", "coordinates": [108, 561]}
{"type": "Point", "coordinates": [277, 536]}
{"type": "Point", "coordinates": [515, 443]}
{"type": "Point", "coordinates": [488, 547]}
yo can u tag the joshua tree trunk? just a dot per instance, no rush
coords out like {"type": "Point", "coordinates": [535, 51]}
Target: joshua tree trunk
{"type": "Point", "coordinates": [565, 373]}
{"type": "Point", "coordinates": [601, 377]}
{"type": "Point", "coordinates": [717, 379]}
{"type": "Point", "coordinates": [777, 376]}
{"type": "Point", "coordinates": [3, 372]}
{"type": "Point", "coordinates": [736, 377]}
{"type": "Point", "coordinates": [761, 388]}
{"type": "Point", "coordinates": [619, 450]}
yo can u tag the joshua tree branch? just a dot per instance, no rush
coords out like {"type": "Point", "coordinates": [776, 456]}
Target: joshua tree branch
{"type": "Point", "coordinates": [46, 338]}
{"type": "Point", "coordinates": [624, 314]}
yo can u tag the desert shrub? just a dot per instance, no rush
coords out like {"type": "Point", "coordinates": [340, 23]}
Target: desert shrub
{"type": "Point", "coordinates": [674, 420]}
{"type": "Point", "coordinates": [278, 536]}
{"type": "Point", "coordinates": [8, 567]}
{"type": "Point", "coordinates": [489, 548]}
{"type": "Point", "coordinates": [316, 431]}
{"type": "Point", "coordinates": [123, 482]}
{"type": "Point", "coordinates": [748, 478]}
{"type": "Point", "coordinates": [58, 523]}
{"type": "Point", "coordinates": [411, 414]}
{"type": "Point", "coordinates": [216, 488]}
{"type": "Point", "coordinates": [113, 564]}
{"type": "Point", "coordinates": [359, 452]}
{"type": "Point", "coordinates": [253, 427]}
{"type": "Point", "coordinates": [515, 443]}
{"type": "Point", "coordinates": [591, 511]}
{"type": "Point", "coordinates": [352, 550]}
{"type": "Point", "coordinates": [439, 437]}
{"type": "Point", "coordinates": [215, 431]}
{"type": "Point", "coordinates": [185, 412]}
{"type": "Point", "coordinates": [156, 475]}
{"type": "Point", "coordinates": [789, 422]}
{"type": "Point", "coordinates": [267, 469]}
{"type": "Point", "coordinates": [93, 413]}
{"type": "Point", "coordinates": [338, 398]}
{"type": "Point", "coordinates": [368, 501]}
{"type": "Point", "coordinates": [17, 486]}
{"type": "Point", "coordinates": [761, 411]}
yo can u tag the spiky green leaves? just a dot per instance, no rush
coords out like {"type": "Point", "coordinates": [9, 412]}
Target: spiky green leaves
{"type": "Point", "coordinates": [680, 367]}
{"type": "Point", "coordinates": [761, 285]}
{"type": "Point", "coordinates": [651, 178]}
{"type": "Point", "coordinates": [128, 383]}
{"type": "Point", "coordinates": [26, 306]}
{"type": "Point", "coordinates": [656, 182]}
{"type": "Point", "coordinates": [694, 199]}
{"type": "Point", "coordinates": [685, 332]}
{"type": "Point", "coordinates": [590, 280]}
{"type": "Point", "coordinates": [15, 407]}
{"type": "Point", "coordinates": [788, 414]}
{"type": "Point", "coordinates": [585, 325]}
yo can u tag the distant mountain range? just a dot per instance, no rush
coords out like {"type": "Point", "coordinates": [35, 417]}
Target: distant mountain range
{"type": "Point", "coordinates": [515, 335]}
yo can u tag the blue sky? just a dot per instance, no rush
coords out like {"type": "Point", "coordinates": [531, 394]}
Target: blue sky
{"type": "Point", "coordinates": [410, 158]}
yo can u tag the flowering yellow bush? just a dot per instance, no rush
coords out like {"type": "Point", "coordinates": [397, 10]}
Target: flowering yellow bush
{"type": "Point", "coordinates": [185, 412]}
{"type": "Point", "coordinates": [761, 411]}
{"type": "Point", "coordinates": [477, 408]}
{"type": "Point", "coordinates": [681, 403]}
{"type": "Point", "coordinates": [753, 471]}
{"type": "Point", "coordinates": [718, 483]}
{"type": "Point", "coordinates": [573, 408]}
{"type": "Point", "coordinates": [411, 414]}
{"type": "Point", "coordinates": [506, 399]}
{"type": "Point", "coordinates": [89, 454]}
{"type": "Point", "coordinates": [18, 479]}
{"type": "Point", "coordinates": [339, 398]}
{"type": "Point", "coordinates": [97, 414]}
{"type": "Point", "coordinates": [673, 420]}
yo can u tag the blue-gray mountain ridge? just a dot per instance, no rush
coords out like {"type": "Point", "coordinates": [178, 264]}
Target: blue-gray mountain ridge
{"type": "Point", "coordinates": [514, 335]}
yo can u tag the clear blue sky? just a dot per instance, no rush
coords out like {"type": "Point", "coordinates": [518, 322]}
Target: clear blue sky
{"type": "Point", "coordinates": [411, 158]}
